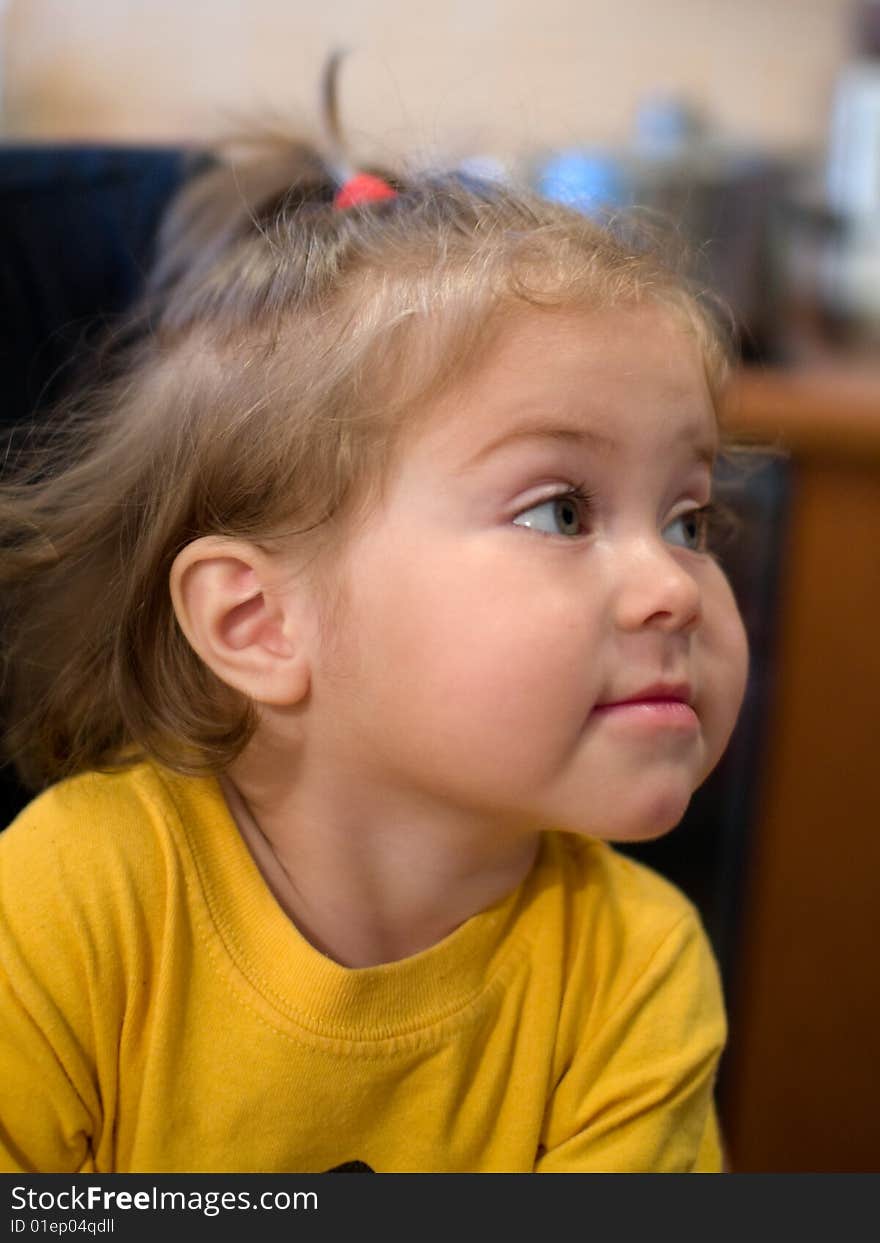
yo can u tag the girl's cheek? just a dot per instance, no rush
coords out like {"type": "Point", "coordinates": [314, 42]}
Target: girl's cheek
{"type": "Point", "coordinates": [736, 652]}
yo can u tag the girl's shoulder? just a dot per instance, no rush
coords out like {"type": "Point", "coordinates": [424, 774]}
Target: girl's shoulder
{"type": "Point", "coordinates": [82, 838]}
{"type": "Point", "coordinates": [632, 941]}
{"type": "Point", "coordinates": [84, 809]}
{"type": "Point", "coordinates": [602, 879]}
{"type": "Point", "coordinates": [93, 873]}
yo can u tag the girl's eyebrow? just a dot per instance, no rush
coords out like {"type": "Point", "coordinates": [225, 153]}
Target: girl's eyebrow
{"type": "Point", "coordinates": [704, 449]}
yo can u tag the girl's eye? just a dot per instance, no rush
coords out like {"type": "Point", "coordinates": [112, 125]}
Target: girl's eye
{"type": "Point", "coordinates": [560, 515]}
{"type": "Point", "coordinates": [567, 515]}
{"type": "Point", "coordinates": [694, 526]}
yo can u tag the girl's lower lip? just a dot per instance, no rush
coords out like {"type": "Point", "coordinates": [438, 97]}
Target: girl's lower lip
{"type": "Point", "coordinates": [651, 714]}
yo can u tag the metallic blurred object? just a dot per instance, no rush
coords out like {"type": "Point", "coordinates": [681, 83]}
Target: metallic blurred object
{"type": "Point", "coordinates": [725, 205]}
{"type": "Point", "coordinates": [851, 271]}
{"type": "Point", "coordinates": [714, 201]}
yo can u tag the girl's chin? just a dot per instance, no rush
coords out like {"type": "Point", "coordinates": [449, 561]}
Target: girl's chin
{"type": "Point", "coordinates": [645, 825]}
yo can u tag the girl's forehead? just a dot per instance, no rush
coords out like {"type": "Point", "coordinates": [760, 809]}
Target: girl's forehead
{"type": "Point", "coordinates": [597, 375]}
{"type": "Point", "coordinates": [552, 340]}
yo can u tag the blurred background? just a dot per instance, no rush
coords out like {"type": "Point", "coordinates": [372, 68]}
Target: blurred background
{"type": "Point", "coordinates": [754, 128]}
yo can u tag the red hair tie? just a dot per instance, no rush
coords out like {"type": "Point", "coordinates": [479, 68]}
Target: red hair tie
{"type": "Point", "coordinates": [362, 188]}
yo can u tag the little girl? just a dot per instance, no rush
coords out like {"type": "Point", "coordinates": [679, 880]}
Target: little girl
{"type": "Point", "coordinates": [364, 605]}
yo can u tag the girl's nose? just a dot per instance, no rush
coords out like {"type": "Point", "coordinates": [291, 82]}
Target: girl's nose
{"type": "Point", "coordinates": [655, 589]}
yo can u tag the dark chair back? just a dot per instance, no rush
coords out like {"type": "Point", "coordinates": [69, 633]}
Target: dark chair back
{"type": "Point", "coordinates": [77, 226]}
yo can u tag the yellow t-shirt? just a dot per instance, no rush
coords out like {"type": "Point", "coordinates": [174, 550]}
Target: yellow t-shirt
{"type": "Point", "coordinates": [160, 1012]}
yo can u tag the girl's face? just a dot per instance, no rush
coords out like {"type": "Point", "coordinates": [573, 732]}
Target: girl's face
{"type": "Point", "coordinates": [489, 613]}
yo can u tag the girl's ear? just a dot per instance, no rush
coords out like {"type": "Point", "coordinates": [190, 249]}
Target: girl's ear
{"type": "Point", "coordinates": [248, 632]}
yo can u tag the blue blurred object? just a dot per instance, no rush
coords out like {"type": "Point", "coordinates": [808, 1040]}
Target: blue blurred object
{"type": "Point", "coordinates": [667, 125]}
{"type": "Point", "coordinates": [590, 181]}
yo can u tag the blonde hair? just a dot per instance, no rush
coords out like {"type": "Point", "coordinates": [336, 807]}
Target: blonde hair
{"type": "Point", "coordinates": [280, 351]}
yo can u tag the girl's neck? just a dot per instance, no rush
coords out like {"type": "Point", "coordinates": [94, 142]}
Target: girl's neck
{"type": "Point", "coordinates": [366, 888]}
